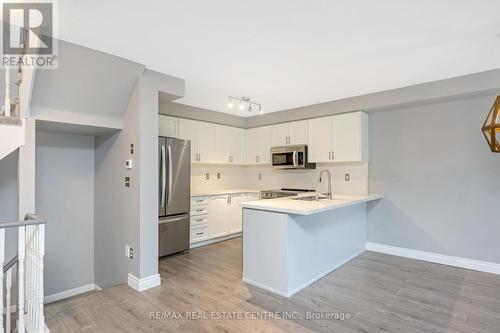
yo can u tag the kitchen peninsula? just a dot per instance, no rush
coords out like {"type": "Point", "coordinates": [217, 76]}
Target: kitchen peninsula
{"type": "Point", "coordinates": [289, 243]}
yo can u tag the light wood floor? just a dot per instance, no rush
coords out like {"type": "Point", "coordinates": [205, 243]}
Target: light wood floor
{"type": "Point", "coordinates": [382, 293]}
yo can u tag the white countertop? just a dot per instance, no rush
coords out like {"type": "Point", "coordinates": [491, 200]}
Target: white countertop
{"type": "Point", "coordinates": [300, 207]}
{"type": "Point", "coordinates": [221, 192]}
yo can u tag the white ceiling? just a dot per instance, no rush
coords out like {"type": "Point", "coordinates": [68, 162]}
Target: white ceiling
{"type": "Point", "coordinates": [290, 53]}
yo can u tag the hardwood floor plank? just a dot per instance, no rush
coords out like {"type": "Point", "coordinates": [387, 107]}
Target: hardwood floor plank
{"type": "Point", "coordinates": [381, 293]}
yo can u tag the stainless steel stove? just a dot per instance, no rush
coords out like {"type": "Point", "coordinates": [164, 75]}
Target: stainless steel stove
{"type": "Point", "coordinates": [281, 193]}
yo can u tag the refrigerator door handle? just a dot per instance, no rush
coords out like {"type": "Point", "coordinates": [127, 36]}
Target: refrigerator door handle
{"type": "Point", "coordinates": [163, 177]}
{"type": "Point", "coordinates": [169, 175]}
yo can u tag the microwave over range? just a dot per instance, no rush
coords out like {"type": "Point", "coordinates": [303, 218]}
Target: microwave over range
{"type": "Point", "coordinates": [290, 157]}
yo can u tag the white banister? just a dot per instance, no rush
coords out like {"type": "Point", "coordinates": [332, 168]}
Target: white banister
{"type": "Point", "coordinates": [8, 299]}
{"type": "Point", "coordinates": [2, 258]}
{"type": "Point", "coordinates": [21, 252]}
{"type": "Point", "coordinates": [7, 91]}
{"type": "Point", "coordinates": [29, 261]}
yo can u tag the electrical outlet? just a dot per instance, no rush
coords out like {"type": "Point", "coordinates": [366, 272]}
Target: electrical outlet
{"type": "Point", "coordinates": [347, 177]}
{"type": "Point", "coordinates": [131, 253]}
{"type": "Point", "coordinates": [260, 176]}
{"type": "Point", "coordinates": [207, 176]}
{"type": "Point", "coordinates": [131, 148]}
{"type": "Point", "coordinates": [218, 175]}
{"type": "Point", "coordinates": [127, 181]}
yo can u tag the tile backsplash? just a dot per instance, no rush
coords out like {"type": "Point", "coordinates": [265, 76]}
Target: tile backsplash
{"type": "Point", "coordinates": [247, 177]}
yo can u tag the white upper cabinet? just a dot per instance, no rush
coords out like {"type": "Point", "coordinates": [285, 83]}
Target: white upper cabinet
{"type": "Point", "coordinates": [339, 138]}
{"type": "Point", "coordinates": [188, 131]}
{"type": "Point", "coordinates": [350, 137]}
{"type": "Point", "coordinates": [320, 144]}
{"type": "Point", "coordinates": [259, 143]}
{"type": "Point", "coordinates": [202, 136]}
{"type": "Point", "coordinates": [298, 133]}
{"type": "Point", "coordinates": [230, 145]}
{"type": "Point", "coordinates": [292, 133]}
{"type": "Point", "coordinates": [168, 126]}
{"type": "Point", "coordinates": [281, 133]}
{"type": "Point", "coordinates": [265, 144]}
{"type": "Point", "coordinates": [253, 146]}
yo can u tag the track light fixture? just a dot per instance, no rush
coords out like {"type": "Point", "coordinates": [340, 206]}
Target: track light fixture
{"type": "Point", "coordinates": [244, 101]}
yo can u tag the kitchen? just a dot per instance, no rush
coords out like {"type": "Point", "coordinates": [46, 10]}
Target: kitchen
{"type": "Point", "coordinates": [231, 166]}
{"type": "Point", "coordinates": [306, 160]}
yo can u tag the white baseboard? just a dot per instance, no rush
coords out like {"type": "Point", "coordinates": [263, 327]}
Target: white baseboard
{"type": "Point", "coordinates": [477, 265]}
{"type": "Point", "coordinates": [70, 293]}
{"type": "Point", "coordinates": [304, 285]}
{"type": "Point", "coordinates": [144, 283]}
{"type": "Point", "coordinates": [262, 286]}
{"type": "Point", "coordinates": [215, 240]}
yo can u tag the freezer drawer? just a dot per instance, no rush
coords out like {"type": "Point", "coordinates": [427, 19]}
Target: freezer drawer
{"type": "Point", "coordinates": [173, 234]}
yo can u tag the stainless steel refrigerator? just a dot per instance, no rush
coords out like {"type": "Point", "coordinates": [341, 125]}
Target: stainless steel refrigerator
{"type": "Point", "coordinates": [174, 195]}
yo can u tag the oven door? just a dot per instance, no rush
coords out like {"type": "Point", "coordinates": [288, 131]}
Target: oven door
{"type": "Point", "coordinates": [289, 159]}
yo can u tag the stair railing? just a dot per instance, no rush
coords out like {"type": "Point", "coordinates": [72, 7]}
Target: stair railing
{"type": "Point", "coordinates": [29, 262]}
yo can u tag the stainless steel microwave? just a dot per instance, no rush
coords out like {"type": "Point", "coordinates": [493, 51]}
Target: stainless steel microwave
{"type": "Point", "coordinates": [290, 157]}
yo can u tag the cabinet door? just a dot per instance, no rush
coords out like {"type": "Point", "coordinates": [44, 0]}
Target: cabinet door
{"type": "Point", "coordinates": [240, 146]}
{"type": "Point", "coordinates": [320, 139]}
{"type": "Point", "coordinates": [265, 144]}
{"type": "Point", "coordinates": [253, 146]}
{"type": "Point", "coordinates": [298, 133]}
{"type": "Point", "coordinates": [188, 130]}
{"type": "Point", "coordinates": [222, 144]}
{"type": "Point", "coordinates": [206, 142]}
{"type": "Point", "coordinates": [281, 133]}
{"type": "Point", "coordinates": [168, 126]}
{"type": "Point", "coordinates": [217, 216]}
{"type": "Point", "coordinates": [346, 137]}
{"type": "Point", "coordinates": [235, 214]}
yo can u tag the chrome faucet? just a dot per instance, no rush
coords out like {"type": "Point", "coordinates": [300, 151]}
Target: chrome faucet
{"type": "Point", "coordinates": [329, 193]}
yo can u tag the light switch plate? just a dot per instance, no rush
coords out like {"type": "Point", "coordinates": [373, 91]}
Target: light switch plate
{"type": "Point", "coordinates": [218, 175]}
{"type": "Point", "coordinates": [347, 177]}
{"type": "Point", "coordinates": [129, 164]}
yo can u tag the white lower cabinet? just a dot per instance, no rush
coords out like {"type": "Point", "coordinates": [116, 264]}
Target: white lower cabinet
{"type": "Point", "coordinates": [217, 216]}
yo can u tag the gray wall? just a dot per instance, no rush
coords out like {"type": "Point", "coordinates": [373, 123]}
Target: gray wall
{"type": "Point", "coordinates": [478, 84]}
{"type": "Point", "coordinates": [8, 200]}
{"type": "Point", "coordinates": [65, 197]}
{"type": "Point", "coordinates": [116, 219]}
{"type": "Point", "coordinates": [439, 179]}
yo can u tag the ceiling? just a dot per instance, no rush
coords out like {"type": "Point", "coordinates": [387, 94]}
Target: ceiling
{"type": "Point", "coordinates": [290, 53]}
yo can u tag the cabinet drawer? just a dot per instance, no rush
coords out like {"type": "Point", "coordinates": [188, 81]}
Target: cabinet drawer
{"type": "Point", "coordinates": [199, 201]}
{"type": "Point", "coordinates": [201, 219]}
{"type": "Point", "coordinates": [200, 210]}
{"type": "Point", "coordinates": [198, 233]}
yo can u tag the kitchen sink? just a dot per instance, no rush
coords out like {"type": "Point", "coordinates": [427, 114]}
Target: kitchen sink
{"type": "Point", "coordinates": [309, 198]}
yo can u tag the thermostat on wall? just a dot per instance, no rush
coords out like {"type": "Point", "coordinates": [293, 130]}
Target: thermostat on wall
{"type": "Point", "coordinates": [129, 164]}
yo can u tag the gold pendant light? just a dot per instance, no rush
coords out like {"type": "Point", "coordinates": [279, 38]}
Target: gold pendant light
{"type": "Point", "coordinates": [491, 127]}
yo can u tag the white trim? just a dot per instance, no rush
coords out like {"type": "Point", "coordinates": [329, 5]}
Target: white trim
{"type": "Point", "coordinates": [261, 286]}
{"type": "Point", "coordinates": [144, 283]}
{"type": "Point", "coordinates": [477, 265]}
{"type": "Point", "coordinates": [306, 284]}
{"type": "Point", "coordinates": [71, 293]}
{"type": "Point", "coordinates": [215, 240]}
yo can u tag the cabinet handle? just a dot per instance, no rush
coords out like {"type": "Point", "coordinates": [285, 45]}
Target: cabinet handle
{"type": "Point", "coordinates": [199, 233]}
{"type": "Point", "coordinates": [333, 155]}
